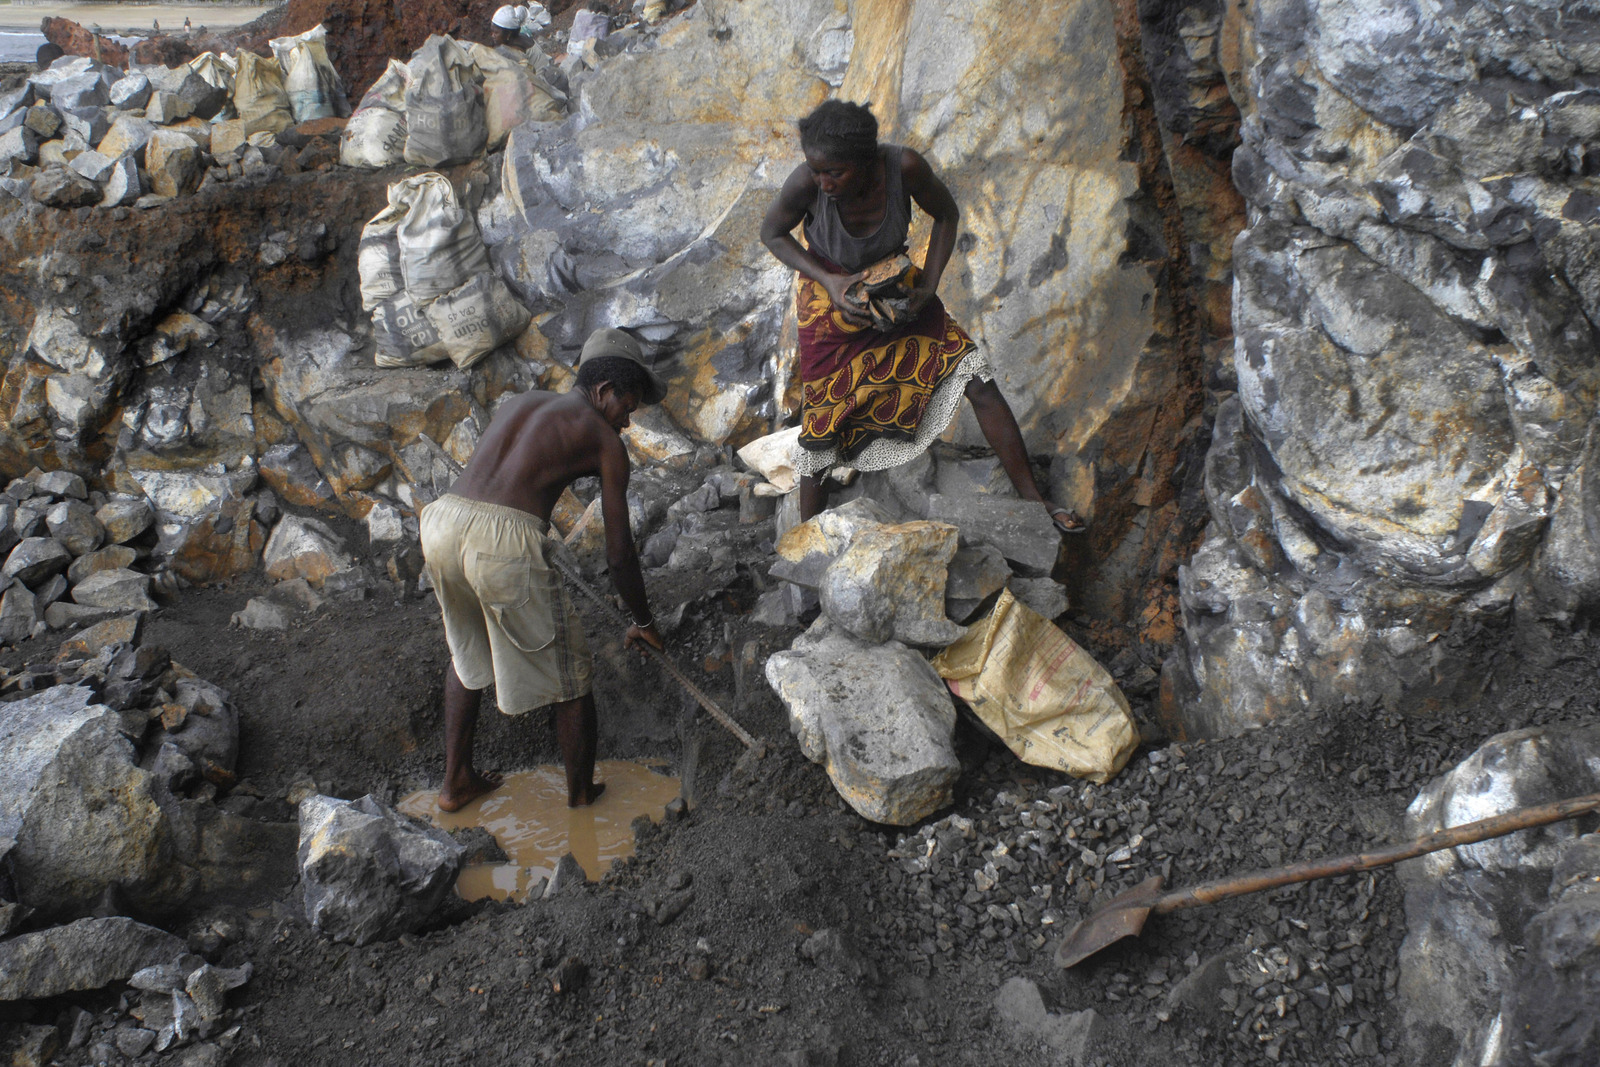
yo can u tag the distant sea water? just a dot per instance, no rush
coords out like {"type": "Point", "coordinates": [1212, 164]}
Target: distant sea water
{"type": "Point", "coordinates": [23, 47]}
{"type": "Point", "coordinates": [19, 47]}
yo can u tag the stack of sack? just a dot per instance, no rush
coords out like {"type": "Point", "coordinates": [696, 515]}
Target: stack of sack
{"type": "Point", "coordinates": [450, 103]}
{"type": "Point", "coordinates": [84, 133]}
{"type": "Point", "coordinates": [298, 84]}
{"type": "Point", "coordinates": [426, 279]}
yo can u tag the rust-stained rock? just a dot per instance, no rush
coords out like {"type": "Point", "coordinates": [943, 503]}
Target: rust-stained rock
{"type": "Point", "coordinates": [129, 133]}
{"type": "Point", "coordinates": [219, 545]}
{"type": "Point", "coordinates": [125, 518]}
{"type": "Point", "coordinates": [122, 630]}
{"type": "Point", "coordinates": [806, 550]}
{"type": "Point", "coordinates": [304, 548]}
{"type": "Point", "coordinates": [109, 558]}
{"type": "Point", "coordinates": [76, 40]}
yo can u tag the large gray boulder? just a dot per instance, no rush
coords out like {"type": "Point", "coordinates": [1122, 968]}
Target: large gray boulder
{"type": "Point", "coordinates": [87, 954]}
{"type": "Point", "coordinates": [1500, 963]}
{"type": "Point", "coordinates": [890, 584]}
{"type": "Point", "coordinates": [369, 873]}
{"type": "Point", "coordinates": [84, 815]}
{"type": "Point", "coordinates": [877, 718]}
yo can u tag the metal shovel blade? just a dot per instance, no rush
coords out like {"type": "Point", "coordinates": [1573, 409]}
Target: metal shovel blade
{"type": "Point", "coordinates": [1123, 917]}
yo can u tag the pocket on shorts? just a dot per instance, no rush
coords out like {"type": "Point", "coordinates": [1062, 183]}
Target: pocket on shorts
{"type": "Point", "coordinates": [521, 600]}
{"type": "Point", "coordinates": [500, 581]}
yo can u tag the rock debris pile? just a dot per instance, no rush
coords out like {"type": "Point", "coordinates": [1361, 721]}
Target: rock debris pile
{"type": "Point", "coordinates": [72, 554]}
{"type": "Point", "coordinates": [890, 569]}
{"type": "Point", "coordinates": [84, 133]}
{"type": "Point", "coordinates": [112, 758]}
{"type": "Point", "coordinates": [175, 1001]}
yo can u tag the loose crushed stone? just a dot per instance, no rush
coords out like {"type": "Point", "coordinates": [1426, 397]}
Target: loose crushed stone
{"type": "Point", "coordinates": [769, 924]}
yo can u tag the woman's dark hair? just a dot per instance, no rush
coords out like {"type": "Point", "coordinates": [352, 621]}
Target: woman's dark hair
{"type": "Point", "coordinates": [625, 376]}
{"type": "Point", "coordinates": [840, 130]}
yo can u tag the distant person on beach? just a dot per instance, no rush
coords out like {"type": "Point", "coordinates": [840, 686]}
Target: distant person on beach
{"type": "Point", "coordinates": [876, 391]}
{"type": "Point", "coordinates": [507, 616]}
{"type": "Point", "coordinates": [47, 54]}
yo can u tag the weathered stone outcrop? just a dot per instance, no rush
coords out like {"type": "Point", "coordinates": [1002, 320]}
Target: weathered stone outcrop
{"type": "Point", "coordinates": [1407, 455]}
{"type": "Point", "coordinates": [231, 328]}
{"type": "Point", "coordinates": [165, 354]}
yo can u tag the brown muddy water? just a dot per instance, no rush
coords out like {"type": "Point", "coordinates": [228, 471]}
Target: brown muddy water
{"type": "Point", "coordinates": [529, 817]}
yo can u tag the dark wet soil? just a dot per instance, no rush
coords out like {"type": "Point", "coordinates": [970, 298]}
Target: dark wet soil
{"type": "Point", "coordinates": [716, 943]}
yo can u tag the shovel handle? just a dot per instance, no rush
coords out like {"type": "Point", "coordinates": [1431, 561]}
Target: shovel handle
{"type": "Point", "coordinates": [1311, 870]}
{"type": "Point", "coordinates": [656, 654]}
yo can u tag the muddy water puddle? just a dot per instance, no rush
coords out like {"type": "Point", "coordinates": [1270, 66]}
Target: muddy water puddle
{"type": "Point", "coordinates": [529, 817]}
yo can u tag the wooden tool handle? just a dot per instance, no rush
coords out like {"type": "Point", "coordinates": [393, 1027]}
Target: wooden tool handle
{"type": "Point", "coordinates": [660, 657]}
{"type": "Point", "coordinates": [1311, 870]}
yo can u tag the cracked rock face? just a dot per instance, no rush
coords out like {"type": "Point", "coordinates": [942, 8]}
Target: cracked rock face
{"type": "Point", "coordinates": [1409, 450]}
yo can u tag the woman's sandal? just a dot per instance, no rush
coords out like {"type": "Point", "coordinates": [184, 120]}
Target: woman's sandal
{"type": "Point", "coordinates": [1067, 521]}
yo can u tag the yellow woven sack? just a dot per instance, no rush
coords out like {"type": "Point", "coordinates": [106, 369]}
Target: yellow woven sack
{"type": "Point", "coordinates": [1047, 698]}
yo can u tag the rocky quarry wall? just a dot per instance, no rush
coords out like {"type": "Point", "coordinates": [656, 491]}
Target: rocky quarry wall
{"type": "Point", "coordinates": [1407, 453]}
{"type": "Point", "coordinates": [1391, 456]}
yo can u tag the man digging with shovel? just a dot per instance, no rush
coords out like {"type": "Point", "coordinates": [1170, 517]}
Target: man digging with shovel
{"type": "Point", "coordinates": [507, 617]}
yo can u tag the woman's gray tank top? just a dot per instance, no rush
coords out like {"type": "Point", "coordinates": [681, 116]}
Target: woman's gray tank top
{"type": "Point", "coordinates": [826, 235]}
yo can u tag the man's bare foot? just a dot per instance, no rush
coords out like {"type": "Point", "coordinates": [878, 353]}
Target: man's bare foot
{"type": "Point", "coordinates": [587, 796]}
{"type": "Point", "coordinates": [454, 799]}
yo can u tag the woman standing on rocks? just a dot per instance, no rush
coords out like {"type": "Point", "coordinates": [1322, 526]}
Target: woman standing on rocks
{"type": "Point", "coordinates": [878, 383]}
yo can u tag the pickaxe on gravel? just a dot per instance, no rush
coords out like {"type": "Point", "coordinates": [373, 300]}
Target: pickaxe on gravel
{"type": "Point", "coordinates": [1125, 915]}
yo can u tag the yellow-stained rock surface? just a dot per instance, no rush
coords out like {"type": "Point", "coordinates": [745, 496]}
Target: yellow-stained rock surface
{"type": "Point", "coordinates": [889, 584]}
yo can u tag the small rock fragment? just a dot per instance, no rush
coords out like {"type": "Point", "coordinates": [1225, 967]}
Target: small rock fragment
{"type": "Point", "coordinates": [260, 613]}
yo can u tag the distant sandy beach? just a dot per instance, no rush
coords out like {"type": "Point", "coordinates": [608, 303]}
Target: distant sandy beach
{"type": "Point", "coordinates": [116, 18]}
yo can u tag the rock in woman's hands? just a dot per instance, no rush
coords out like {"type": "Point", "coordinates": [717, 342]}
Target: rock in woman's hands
{"type": "Point", "coordinates": [852, 311]}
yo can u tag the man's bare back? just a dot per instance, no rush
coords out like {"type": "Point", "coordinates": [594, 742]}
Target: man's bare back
{"type": "Point", "coordinates": [538, 444]}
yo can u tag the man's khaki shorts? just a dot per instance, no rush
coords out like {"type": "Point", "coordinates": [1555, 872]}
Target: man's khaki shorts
{"type": "Point", "coordinates": [507, 617]}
